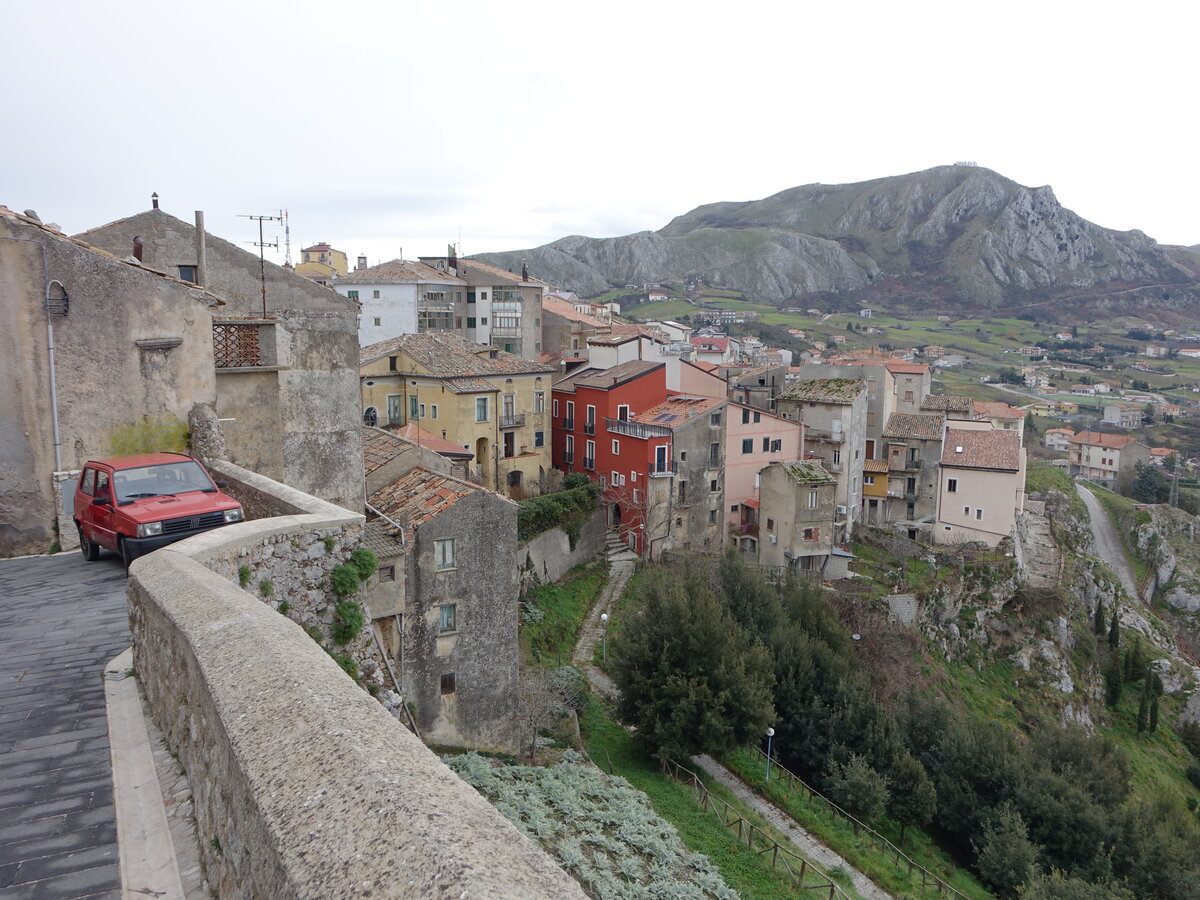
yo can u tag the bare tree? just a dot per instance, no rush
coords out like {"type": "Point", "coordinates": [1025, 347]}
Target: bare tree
{"type": "Point", "coordinates": [546, 696]}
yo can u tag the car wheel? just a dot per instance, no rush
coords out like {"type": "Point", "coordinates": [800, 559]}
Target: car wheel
{"type": "Point", "coordinates": [89, 549]}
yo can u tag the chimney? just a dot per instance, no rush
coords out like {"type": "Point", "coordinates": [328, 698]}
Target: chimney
{"type": "Point", "coordinates": [153, 202]}
{"type": "Point", "coordinates": [137, 247]}
{"type": "Point", "coordinates": [492, 351]}
{"type": "Point", "coordinates": [452, 256]}
{"type": "Point", "coordinates": [524, 271]}
{"type": "Point", "coordinates": [362, 263]}
{"type": "Point", "coordinates": [201, 249]}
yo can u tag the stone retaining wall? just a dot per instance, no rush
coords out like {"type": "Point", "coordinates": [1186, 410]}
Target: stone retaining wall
{"type": "Point", "coordinates": [548, 556]}
{"type": "Point", "coordinates": [304, 786]}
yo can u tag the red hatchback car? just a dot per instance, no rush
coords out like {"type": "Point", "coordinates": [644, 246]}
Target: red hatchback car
{"type": "Point", "coordinates": [135, 504]}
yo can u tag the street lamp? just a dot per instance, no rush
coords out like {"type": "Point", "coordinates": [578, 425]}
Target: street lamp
{"type": "Point", "coordinates": [604, 637]}
{"type": "Point", "coordinates": [770, 734]}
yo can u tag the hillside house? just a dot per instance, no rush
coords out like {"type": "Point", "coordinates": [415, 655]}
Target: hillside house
{"type": "Point", "coordinates": [981, 486]}
{"type": "Point", "coordinates": [913, 445]}
{"type": "Point", "coordinates": [754, 438]}
{"type": "Point", "coordinates": [488, 402]}
{"type": "Point", "coordinates": [1107, 459]}
{"type": "Point", "coordinates": [1123, 415]}
{"type": "Point", "coordinates": [797, 514]}
{"type": "Point", "coordinates": [1058, 439]}
{"type": "Point", "coordinates": [407, 297]}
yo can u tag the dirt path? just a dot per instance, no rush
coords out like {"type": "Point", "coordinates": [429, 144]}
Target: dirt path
{"type": "Point", "coordinates": [802, 840]}
{"type": "Point", "coordinates": [1108, 543]}
{"type": "Point", "coordinates": [621, 563]}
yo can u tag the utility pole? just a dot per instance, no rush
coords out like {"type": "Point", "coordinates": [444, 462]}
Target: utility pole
{"type": "Point", "coordinates": [262, 244]}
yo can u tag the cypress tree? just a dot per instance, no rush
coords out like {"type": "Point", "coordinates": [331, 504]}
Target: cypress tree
{"type": "Point", "coordinates": [1154, 714]}
{"type": "Point", "coordinates": [1143, 717]}
{"type": "Point", "coordinates": [1114, 631]}
{"type": "Point", "coordinates": [1098, 622]}
{"type": "Point", "coordinates": [1112, 682]}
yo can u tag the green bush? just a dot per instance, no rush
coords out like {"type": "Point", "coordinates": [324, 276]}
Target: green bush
{"type": "Point", "coordinates": [348, 620]}
{"type": "Point", "coordinates": [243, 575]}
{"type": "Point", "coordinates": [564, 509]}
{"type": "Point", "coordinates": [365, 562]}
{"type": "Point", "coordinates": [344, 579]}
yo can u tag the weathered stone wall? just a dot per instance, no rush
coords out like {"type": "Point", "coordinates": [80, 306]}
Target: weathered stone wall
{"type": "Point", "coordinates": [304, 786]}
{"type": "Point", "coordinates": [548, 556]}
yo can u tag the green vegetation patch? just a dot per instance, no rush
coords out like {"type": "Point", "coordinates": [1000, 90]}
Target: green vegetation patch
{"type": "Point", "coordinates": [552, 615]}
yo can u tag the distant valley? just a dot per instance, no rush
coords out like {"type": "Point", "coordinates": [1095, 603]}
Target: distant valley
{"type": "Point", "coordinates": [954, 239]}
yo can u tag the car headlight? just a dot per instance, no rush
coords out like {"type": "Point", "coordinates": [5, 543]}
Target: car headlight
{"type": "Point", "coordinates": [149, 529]}
{"type": "Point", "coordinates": [233, 515]}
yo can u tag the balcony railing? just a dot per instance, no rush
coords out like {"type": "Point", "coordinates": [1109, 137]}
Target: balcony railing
{"type": "Point", "coordinates": [569, 424]}
{"type": "Point", "coordinates": [506, 331]}
{"type": "Point", "coordinates": [568, 458]}
{"type": "Point", "coordinates": [654, 470]}
{"type": "Point", "coordinates": [589, 427]}
{"type": "Point", "coordinates": [749, 528]}
{"type": "Point", "coordinates": [514, 421]}
{"type": "Point", "coordinates": [635, 429]}
{"type": "Point", "coordinates": [589, 463]}
{"type": "Point", "coordinates": [824, 434]}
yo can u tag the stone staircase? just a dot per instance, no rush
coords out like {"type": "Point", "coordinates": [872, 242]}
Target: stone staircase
{"type": "Point", "coordinates": [621, 563]}
{"type": "Point", "coordinates": [1039, 557]}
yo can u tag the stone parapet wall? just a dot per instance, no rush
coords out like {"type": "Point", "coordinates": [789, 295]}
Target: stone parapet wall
{"type": "Point", "coordinates": [304, 786]}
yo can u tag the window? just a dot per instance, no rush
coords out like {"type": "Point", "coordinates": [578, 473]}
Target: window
{"type": "Point", "coordinates": [539, 401]}
{"type": "Point", "coordinates": [837, 457]}
{"type": "Point", "coordinates": [715, 419]}
{"type": "Point", "coordinates": [448, 617]}
{"type": "Point", "coordinates": [353, 295]}
{"type": "Point", "coordinates": [387, 573]}
{"type": "Point", "coordinates": [374, 295]}
{"type": "Point", "coordinates": [811, 534]}
{"type": "Point", "coordinates": [539, 439]}
{"type": "Point", "coordinates": [633, 475]}
{"type": "Point", "coordinates": [433, 410]}
{"type": "Point", "coordinates": [712, 515]}
{"type": "Point", "coordinates": [443, 552]}
{"type": "Point", "coordinates": [966, 510]}
{"type": "Point", "coordinates": [952, 485]}
{"type": "Point", "coordinates": [868, 479]}
{"type": "Point", "coordinates": [556, 409]}
{"type": "Point", "coordinates": [616, 448]}
{"type": "Point", "coordinates": [679, 520]}
{"type": "Point", "coordinates": [745, 416]}
{"type": "Point", "coordinates": [481, 409]}
{"type": "Point", "coordinates": [812, 498]}
{"type": "Point", "coordinates": [635, 491]}
{"type": "Point", "coordinates": [870, 417]}
{"type": "Point", "coordinates": [422, 410]}
{"type": "Point", "coordinates": [378, 321]}
{"type": "Point", "coordinates": [483, 320]}
{"type": "Point", "coordinates": [747, 445]}
{"type": "Point", "coordinates": [682, 491]}
{"type": "Point", "coordinates": [770, 524]}
{"type": "Point", "coordinates": [448, 683]}
{"type": "Point", "coordinates": [776, 446]}
{"type": "Point", "coordinates": [978, 514]}
{"type": "Point", "coordinates": [570, 414]}
{"type": "Point", "coordinates": [370, 417]}
{"type": "Point", "coordinates": [187, 273]}
{"type": "Point", "coordinates": [470, 321]}
{"type": "Point", "coordinates": [395, 409]}
{"type": "Point", "coordinates": [470, 296]}
{"type": "Point", "coordinates": [391, 364]}
{"type": "Point", "coordinates": [714, 455]}
{"type": "Point", "coordinates": [712, 485]}
{"type": "Point", "coordinates": [757, 417]}
{"type": "Point", "coordinates": [616, 479]}
{"type": "Point", "coordinates": [766, 444]}
{"type": "Point", "coordinates": [733, 507]}
{"type": "Point", "coordinates": [908, 395]}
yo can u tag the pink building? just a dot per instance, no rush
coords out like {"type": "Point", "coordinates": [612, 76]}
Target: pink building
{"type": "Point", "coordinates": [753, 439]}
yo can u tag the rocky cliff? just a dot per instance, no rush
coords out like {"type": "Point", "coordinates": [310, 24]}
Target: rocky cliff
{"type": "Point", "coordinates": [951, 236]}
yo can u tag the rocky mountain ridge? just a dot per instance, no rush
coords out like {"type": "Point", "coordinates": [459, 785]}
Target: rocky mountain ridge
{"type": "Point", "coordinates": [950, 237]}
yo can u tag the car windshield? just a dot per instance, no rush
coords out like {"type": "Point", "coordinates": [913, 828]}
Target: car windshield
{"type": "Point", "coordinates": [163, 480]}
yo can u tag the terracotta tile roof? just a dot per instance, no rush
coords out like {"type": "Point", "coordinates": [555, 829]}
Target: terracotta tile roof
{"type": "Point", "coordinates": [676, 411]}
{"type": "Point", "coordinates": [1098, 439]}
{"type": "Point", "coordinates": [447, 355]}
{"type": "Point", "coordinates": [488, 269]}
{"type": "Point", "coordinates": [611, 340]}
{"type": "Point", "coordinates": [711, 344]}
{"type": "Point", "coordinates": [824, 390]}
{"type": "Point", "coordinates": [1161, 451]}
{"type": "Point", "coordinates": [399, 271]}
{"type": "Point", "coordinates": [946, 403]}
{"type": "Point", "coordinates": [381, 537]}
{"type": "Point", "coordinates": [911, 426]}
{"type": "Point", "coordinates": [992, 449]}
{"type": "Point", "coordinates": [997, 409]}
{"type": "Point", "coordinates": [875, 465]}
{"type": "Point", "coordinates": [415, 498]}
{"type": "Point", "coordinates": [431, 441]}
{"type": "Point", "coordinates": [603, 379]}
{"type": "Point", "coordinates": [807, 472]}
{"type": "Point", "coordinates": [378, 447]}
{"type": "Point", "coordinates": [1060, 431]}
{"type": "Point", "coordinates": [706, 366]}
{"type": "Point", "coordinates": [567, 310]}
{"type": "Point", "coordinates": [471, 386]}
{"type": "Point", "coordinates": [903, 368]}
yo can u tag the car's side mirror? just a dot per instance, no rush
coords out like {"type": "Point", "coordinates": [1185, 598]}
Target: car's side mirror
{"type": "Point", "coordinates": [101, 501]}
{"type": "Point", "coordinates": [222, 484]}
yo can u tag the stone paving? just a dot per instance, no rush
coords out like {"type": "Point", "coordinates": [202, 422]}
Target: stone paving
{"type": "Point", "coordinates": [61, 620]}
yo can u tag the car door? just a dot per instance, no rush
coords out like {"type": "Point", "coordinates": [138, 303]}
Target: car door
{"type": "Point", "coordinates": [102, 512]}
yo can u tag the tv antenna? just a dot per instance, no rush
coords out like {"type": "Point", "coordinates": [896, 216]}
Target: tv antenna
{"type": "Point", "coordinates": [262, 244]}
{"type": "Point", "coordinates": [287, 240]}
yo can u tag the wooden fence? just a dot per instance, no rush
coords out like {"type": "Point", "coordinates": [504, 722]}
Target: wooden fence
{"type": "Point", "coordinates": [902, 859]}
{"type": "Point", "coordinates": [798, 869]}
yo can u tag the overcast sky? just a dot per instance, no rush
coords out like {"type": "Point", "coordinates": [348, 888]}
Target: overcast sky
{"type": "Point", "coordinates": [395, 126]}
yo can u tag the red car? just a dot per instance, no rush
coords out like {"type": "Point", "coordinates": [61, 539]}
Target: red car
{"type": "Point", "coordinates": [135, 504]}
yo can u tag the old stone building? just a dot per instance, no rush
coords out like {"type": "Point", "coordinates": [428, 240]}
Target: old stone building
{"type": "Point", "coordinates": [285, 352]}
{"type": "Point", "coordinates": [913, 444]}
{"type": "Point", "coordinates": [797, 515]}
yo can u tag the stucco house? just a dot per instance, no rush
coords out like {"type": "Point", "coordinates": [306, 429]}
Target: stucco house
{"type": "Point", "coordinates": [981, 486]}
{"type": "Point", "coordinates": [796, 515]}
{"type": "Point", "coordinates": [1107, 459]}
{"type": "Point", "coordinates": [408, 297]}
{"type": "Point", "coordinates": [913, 444]}
{"type": "Point", "coordinates": [753, 439]}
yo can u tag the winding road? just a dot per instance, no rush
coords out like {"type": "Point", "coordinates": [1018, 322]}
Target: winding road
{"type": "Point", "coordinates": [1108, 543]}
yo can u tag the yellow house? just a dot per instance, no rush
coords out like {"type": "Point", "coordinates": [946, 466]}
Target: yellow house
{"type": "Point", "coordinates": [321, 263]}
{"type": "Point", "coordinates": [487, 401]}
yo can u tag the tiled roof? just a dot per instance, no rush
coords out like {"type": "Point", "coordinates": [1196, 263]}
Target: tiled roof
{"type": "Point", "coordinates": [418, 496]}
{"type": "Point", "coordinates": [1060, 431]}
{"type": "Point", "coordinates": [903, 368]}
{"type": "Point", "coordinates": [609, 339]}
{"type": "Point", "coordinates": [431, 441]}
{"type": "Point", "coordinates": [807, 472]}
{"type": "Point", "coordinates": [470, 386]}
{"type": "Point", "coordinates": [1098, 439]}
{"type": "Point", "coordinates": [824, 390]}
{"type": "Point", "coordinates": [676, 411]}
{"type": "Point", "coordinates": [378, 447]}
{"type": "Point", "coordinates": [603, 379]}
{"type": "Point", "coordinates": [875, 465]}
{"type": "Point", "coordinates": [1161, 451]}
{"type": "Point", "coordinates": [997, 409]}
{"type": "Point", "coordinates": [489, 270]}
{"type": "Point", "coordinates": [706, 366]}
{"type": "Point", "coordinates": [399, 271]}
{"type": "Point", "coordinates": [911, 426]}
{"type": "Point", "coordinates": [381, 537]}
{"type": "Point", "coordinates": [946, 403]}
{"type": "Point", "coordinates": [447, 355]}
{"type": "Point", "coordinates": [711, 344]}
{"type": "Point", "coordinates": [567, 310]}
{"type": "Point", "coordinates": [992, 449]}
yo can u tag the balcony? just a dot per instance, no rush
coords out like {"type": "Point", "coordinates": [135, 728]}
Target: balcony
{"type": "Point", "coordinates": [749, 528]}
{"type": "Point", "coordinates": [896, 464]}
{"type": "Point", "coordinates": [635, 429]}
{"type": "Point", "coordinates": [834, 467]}
{"type": "Point", "coordinates": [503, 331]}
{"type": "Point", "coordinates": [589, 463]}
{"type": "Point", "coordinates": [589, 427]}
{"type": "Point", "coordinates": [667, 470]}
{"type": "Point", "coordinates": [569, 424]}
{"type": "Point", "coordinates": [896, 495]}
{"type": "Point", "coordinates": [514, 421]}
{"type": "Point", "coordinates": [824, 434]}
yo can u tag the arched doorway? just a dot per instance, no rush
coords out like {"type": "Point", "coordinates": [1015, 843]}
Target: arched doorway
{"type": "Point", "coordinates": [616, 515]}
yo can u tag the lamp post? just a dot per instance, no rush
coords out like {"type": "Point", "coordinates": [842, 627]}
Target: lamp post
{"type": "Point", "coordinates": [604, 637]}
{"type": "Point", "coordinates": [770, 734]}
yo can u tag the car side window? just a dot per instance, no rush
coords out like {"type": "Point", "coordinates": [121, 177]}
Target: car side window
{"type": "Point", "coordinates": [88, 483]}
{"type": "Point", "coordinates": [102, 489]}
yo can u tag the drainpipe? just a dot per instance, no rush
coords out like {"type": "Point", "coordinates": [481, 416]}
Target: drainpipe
{"type": "Point", "coordinates": [46, 301]}
{"type": "Point", "coordinates": [201, 249]}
